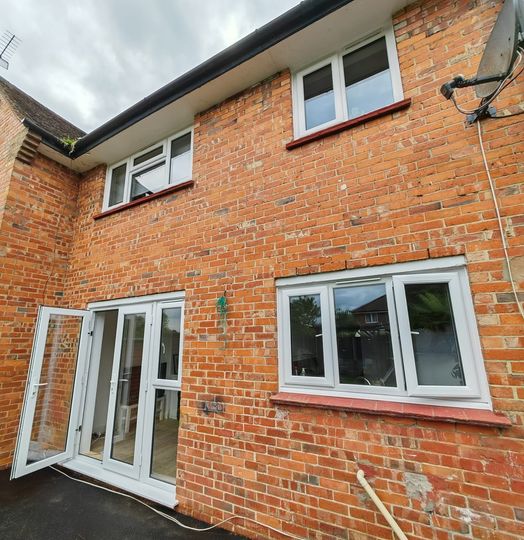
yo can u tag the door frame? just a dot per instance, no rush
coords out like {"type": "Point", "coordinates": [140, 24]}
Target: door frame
{"type": "Point", "coordinates": [110, 463]}
{"type": "Point", "coordinates": [20, 466]}
{"type": "Point", "coordinates": [145, 486]}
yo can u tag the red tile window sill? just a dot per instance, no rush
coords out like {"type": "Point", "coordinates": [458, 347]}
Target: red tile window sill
{"type": "Point", "coordinates": [390, 408]}
{"type": "Point", "coordinates": [348, 124]}
{"type": "Point", "coordinates": [162, 193]}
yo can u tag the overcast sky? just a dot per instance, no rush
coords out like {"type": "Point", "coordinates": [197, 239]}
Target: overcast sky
{"type": "Point", "coordinates": [90, 60]}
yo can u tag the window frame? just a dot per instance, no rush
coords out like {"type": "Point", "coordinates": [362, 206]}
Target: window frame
{"type": "Point", "coordinates": [328, 379]}
{"type": "Point", "coordinates": [132, 170]}
{"type": "Point", "coordinates": [452, 270]}
{"type": "Point", "coordinates": [339, 88]}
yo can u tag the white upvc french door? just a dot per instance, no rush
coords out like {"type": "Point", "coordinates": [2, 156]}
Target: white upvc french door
{"type": "Point", "coordinates": [125, 420]}
{"type": "Point", "coordinates": [52, 397]}
{"type": "Point", "coordinates": [163, 392]}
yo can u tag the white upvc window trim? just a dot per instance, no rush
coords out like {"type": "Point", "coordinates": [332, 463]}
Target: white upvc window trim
{"type": "Point", "coordinates": [339, 88]}
{"type": "Point", "coordinates": [451, 270]}
{"type": "Point", "coordinates": [328, 379]}
{"type": "Point", "coordinates": [132, 170]}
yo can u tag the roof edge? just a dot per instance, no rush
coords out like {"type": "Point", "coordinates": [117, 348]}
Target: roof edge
{"type": "Point", "coordinates": [287, 24]}
{"type": "Point", "coordinates": [47, 138]}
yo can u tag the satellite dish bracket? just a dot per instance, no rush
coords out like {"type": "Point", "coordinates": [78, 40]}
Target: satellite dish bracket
{"type": "Point", "coordinates": [459, 82]}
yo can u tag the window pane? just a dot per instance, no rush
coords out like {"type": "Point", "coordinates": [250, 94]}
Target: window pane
{"type": "Point", "coordinates": [434, 336]}
{"type": "Point", "coordinates": [118, 181]}
{"type": "Point", "coordinates": [148, 155]}
{"type": "Point", "coordinates": [180, 168]}
{"type": "Point", "coordinates": [319, 98]}
{"type": "Point", "coordinates": [181, 145]}
{"type": "Point", "coordinates": [367, 79]}
{"type": "Point", "coordinates": [365, 355]}
{"type": "Point", "coordinates": [128, 388]}
{"type": "Point", "coordinates": [307, 356]}
{"type": "Point", "coordinates": [165, 435]}
{"type": "Point", "coordinates": [149, 181]}
{"type": "Point", "coordinates": [180, 159]}
{"type": "Point", "coordinates": [169, 344]}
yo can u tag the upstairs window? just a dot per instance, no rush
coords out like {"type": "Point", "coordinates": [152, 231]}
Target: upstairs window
{"type": "Point", "coordinates": [405, 332]}
{"type": "Point", "coordinates": [164, 164]}
{"type": "Point", "coordinates": [361, 79]}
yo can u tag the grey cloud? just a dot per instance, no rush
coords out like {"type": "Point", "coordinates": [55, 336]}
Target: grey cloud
{"type": "Point", "coordinates": [90, 60]}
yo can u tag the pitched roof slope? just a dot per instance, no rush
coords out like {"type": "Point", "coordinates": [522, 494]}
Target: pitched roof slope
{"type": "Point", "coordinates": [28, 108]}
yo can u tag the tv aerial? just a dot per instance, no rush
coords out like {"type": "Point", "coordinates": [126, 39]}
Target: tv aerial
{"type": "Point", "coordinates": [503, 53]}
{"type": "Point", "coordinates": [8, 45]}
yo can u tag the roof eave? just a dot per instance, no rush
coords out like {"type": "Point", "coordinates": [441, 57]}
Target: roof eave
{"type": "Point", "coordinates": [294, 20]}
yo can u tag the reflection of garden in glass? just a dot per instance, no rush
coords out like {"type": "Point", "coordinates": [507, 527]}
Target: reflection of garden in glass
{"type": "Point", "coordinates": [365, 354]}
{"type": "Point", "coordinates": [307, 356]}
{"type": "Point", "coordinates": [433, 334]}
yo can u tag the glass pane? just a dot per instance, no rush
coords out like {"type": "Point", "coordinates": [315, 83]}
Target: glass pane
{"type": "Point", "coordinates": [365, 355]}
{"type": "Point", "coordinates": [319, 98]}
{"type": "Point", "coordinates": [307, 355]}
{"type": "Point", "coordinates": [149, 181]}
{"type": "Point", "coordinates": [434, 336]}
{"type": "Point", "coordinates": [148, 155]}
{"type": "Point", "coordinates": [180, 168]}
{"type": "Point", "coordinates": [169, 344]}
{"type": "Point", "coordinates": [118, 180]}
{"type": "Point", "coordinates": [95, 420]}
{"type": "Point", "coordinates": [128, 388]}
{"type": "Point", "coordinates": [367, 79]}
{"type": "Point", "coordinates": [165, 435]}
{"type": "Point", "coordinates": [181, 145]}
{"type": "Point", "coordinates": [55, 388]}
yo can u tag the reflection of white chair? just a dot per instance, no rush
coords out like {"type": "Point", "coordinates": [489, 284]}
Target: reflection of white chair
{"type": "Point", "coordinates": [127, 413]}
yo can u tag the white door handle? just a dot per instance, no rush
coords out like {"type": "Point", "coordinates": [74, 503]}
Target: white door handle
{"type": "Point", "coordinates": [36, 385]}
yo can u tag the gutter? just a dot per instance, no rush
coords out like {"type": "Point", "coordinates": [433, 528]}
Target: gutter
{"type": "Point", "coordinates": [294, 20]}
{"type": "Point", "coordinates": [47, 138]}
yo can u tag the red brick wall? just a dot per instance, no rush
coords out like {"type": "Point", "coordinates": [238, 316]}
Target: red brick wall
{"type": "Point", "coordinates": [401, 188]}
{"type": "Point", "coordinates": [35, 238]}
{"type": "Point", "coordinates": [404, 187]}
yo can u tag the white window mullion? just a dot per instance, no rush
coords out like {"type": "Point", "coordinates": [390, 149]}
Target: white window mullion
{"type": "Point", "coordinates": [395, 337]}
{"type": "Point", "coordinates": [127, 192]}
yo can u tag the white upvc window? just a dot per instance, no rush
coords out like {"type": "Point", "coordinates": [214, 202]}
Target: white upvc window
{"type": "Point", "coordinates": [360, 79]}
{"type": "Point", "coordinates": [166, 163]}
{"type": "Point", "coordinates": [404, 332]}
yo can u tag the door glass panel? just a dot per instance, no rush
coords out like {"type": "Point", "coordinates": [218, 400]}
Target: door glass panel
{"type": "Point", "coordinates": [128, 388]}
{"type": "Point", "coordinates": [169, 344]}
{"type": "Point", "coordinates": [433, 334]}
{"type": "Point", "coordinates": [319, 97]}
{"type": "Point", "coordinates": [98, 386]}
{"type": "Point", "coordinates": [165, 435]}
{"type": "Point", "coordinates": [307, 355]}
{"type": "Point", "coordinates": [55, 388]}
{"type": "Point", "coordinates": [365, 354]}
